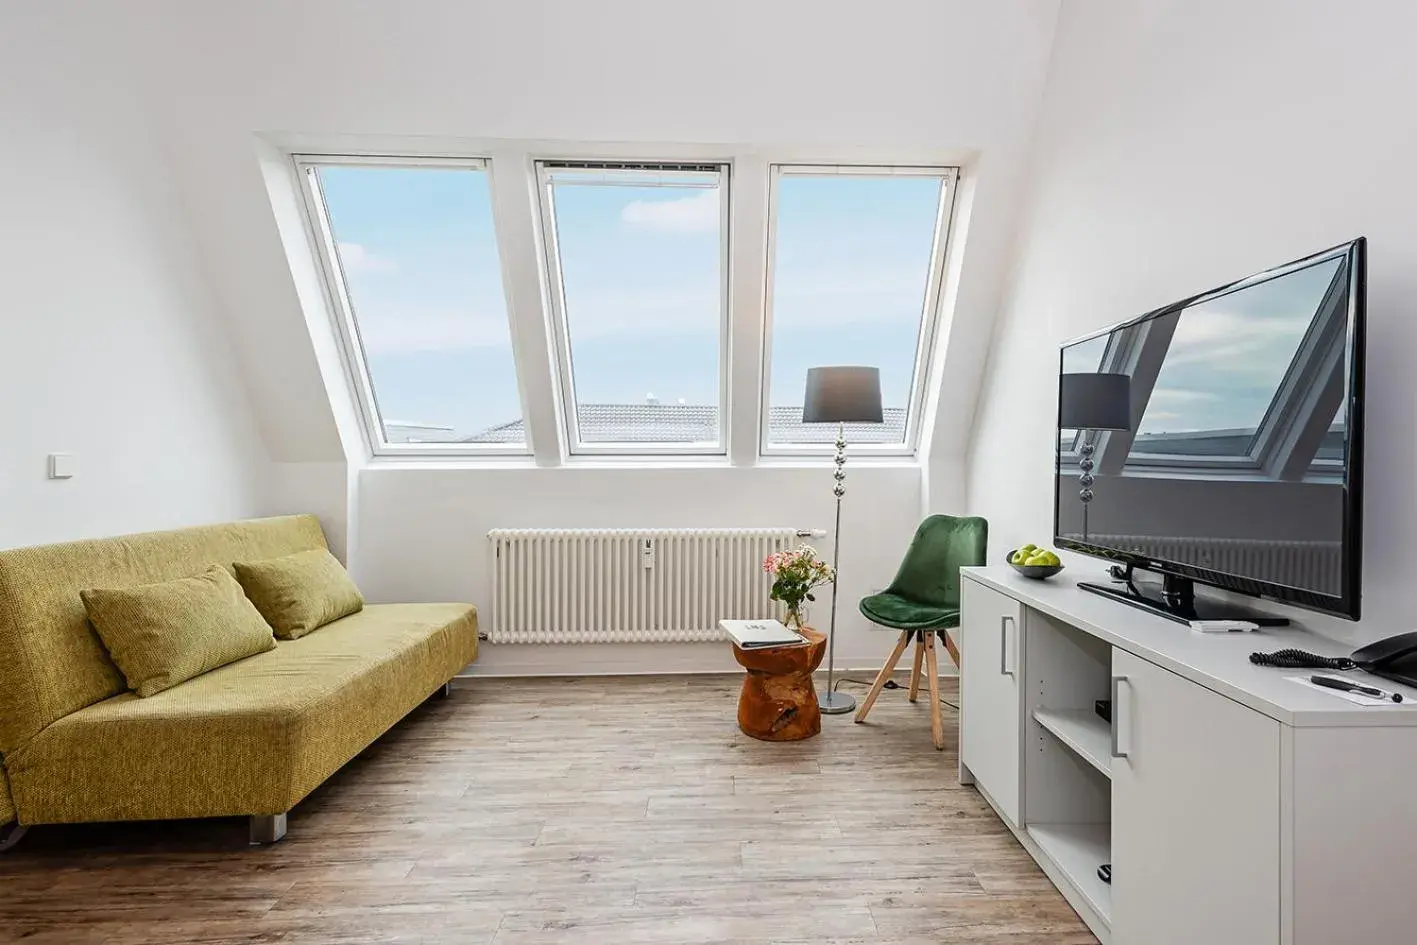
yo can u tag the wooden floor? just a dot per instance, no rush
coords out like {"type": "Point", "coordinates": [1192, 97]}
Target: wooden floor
{"type": "Point", "coordinates": [623, 811]}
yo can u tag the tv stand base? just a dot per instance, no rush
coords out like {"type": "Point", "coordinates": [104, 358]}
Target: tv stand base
{"type": "Point", "coordinates": [1175, 600]}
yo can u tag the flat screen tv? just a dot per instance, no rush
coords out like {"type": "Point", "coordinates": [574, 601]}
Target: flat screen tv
{"type": "Point", "coordinates": [1220, 440]}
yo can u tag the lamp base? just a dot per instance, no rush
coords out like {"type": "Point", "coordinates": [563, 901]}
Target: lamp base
{"type": "Point", "coordinates": [835, 703]}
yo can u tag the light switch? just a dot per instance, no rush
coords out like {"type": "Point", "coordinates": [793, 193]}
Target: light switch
{"type": "Point", "coordinates": [61, 465]}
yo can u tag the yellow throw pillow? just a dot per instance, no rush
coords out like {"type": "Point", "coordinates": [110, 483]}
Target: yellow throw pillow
{"type": "Point", "coordinates": [300, 592]}
{"type": "Point", "coordinates": [162, 634]}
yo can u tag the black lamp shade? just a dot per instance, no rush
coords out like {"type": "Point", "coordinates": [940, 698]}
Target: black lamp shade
{"type": "Point", "coordinates": [842, 394]}
{"type": "Point", "coordinates": [1095, 402]}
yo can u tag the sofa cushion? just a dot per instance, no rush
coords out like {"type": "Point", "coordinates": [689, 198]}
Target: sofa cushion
{"type": "Point", "coordinates": [52, 662]}
{"type": "Point", "coordinates": [300, 592]}
{"type": "Point", "coordinates": [250, 738]}
{"type": "Point", "coordinates": [164, 634]}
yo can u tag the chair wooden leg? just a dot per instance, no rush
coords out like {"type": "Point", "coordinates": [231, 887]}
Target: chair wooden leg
{"type": "Point", "coordinates": [937, 724]}
{"type": "Point", "coordinates": [952, 648]}
{"type": "Point", "coordinates": [883, 676]}
{"type": "Point", "coordinates": [915, 670]}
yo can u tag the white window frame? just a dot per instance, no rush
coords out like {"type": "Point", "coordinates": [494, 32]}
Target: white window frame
{"type": "Point", "coordinates": [926, 332]}
{"type": "Point", "coordinates": [544, 168]}
{"type": "Point", "coordinates": [346, 324]}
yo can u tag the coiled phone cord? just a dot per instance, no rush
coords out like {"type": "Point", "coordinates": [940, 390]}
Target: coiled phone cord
{"type": "Point", "coordinates": [1301, 659]}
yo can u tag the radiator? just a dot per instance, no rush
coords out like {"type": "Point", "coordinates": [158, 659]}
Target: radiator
{"type": "Point", "coordinates": [650, 585]}
{"type": "Point", "coordinates": [1312, 565]}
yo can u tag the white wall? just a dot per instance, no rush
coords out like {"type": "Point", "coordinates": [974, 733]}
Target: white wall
{"type": "Point", "coordinates": [1183, 144]}
{"type": "Point", "coordinates": [423, 533]}
{"type": "Point", "coordinates": [109, 342]}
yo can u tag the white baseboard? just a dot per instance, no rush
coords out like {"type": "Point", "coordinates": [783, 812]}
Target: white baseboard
{"type": "Point", "coordinates": [635, 659]}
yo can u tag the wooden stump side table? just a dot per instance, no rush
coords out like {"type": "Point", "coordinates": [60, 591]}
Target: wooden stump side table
{"type": "Point", "coordinates": [778, 702]}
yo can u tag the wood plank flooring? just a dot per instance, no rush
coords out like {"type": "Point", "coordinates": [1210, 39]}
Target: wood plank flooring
{"type": "Point", "coordinates": [619, 810]}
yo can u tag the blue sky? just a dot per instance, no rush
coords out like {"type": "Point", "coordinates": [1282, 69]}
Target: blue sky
{"type": "Point", "coordinates": [642, 282]}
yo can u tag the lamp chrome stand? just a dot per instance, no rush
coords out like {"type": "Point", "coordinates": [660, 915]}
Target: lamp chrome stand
{"type": "Point", "coordinates": [1086, 464]}
{"type": "Point", "coordinates": [832, 702]}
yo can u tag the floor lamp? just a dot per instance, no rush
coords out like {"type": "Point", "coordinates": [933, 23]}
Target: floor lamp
{"type": "Point", "coordinates": [840, 395]}
{"type": "Point", "coordinates": [1093, 402]}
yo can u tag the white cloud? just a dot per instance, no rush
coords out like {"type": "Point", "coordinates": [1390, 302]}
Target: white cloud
{"type": "Point", "coordinates": [855, 297]}
{"type": "Point", "coordinates": [642, 312]}
{"type": "Point", "coordinates": [423, 332]}
{"type": "Point", "coordinates": [694, 214]}
{"type": "Point", "coordinates": [821, 300]}
{"type": "Point", "coordinates": [356, 258]}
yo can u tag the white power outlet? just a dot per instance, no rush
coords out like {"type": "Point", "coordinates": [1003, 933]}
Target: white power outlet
{"type": "Point", "coordinates": [61, 465]}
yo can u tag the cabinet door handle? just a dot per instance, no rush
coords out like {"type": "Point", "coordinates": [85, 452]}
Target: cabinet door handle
{"type": "Point", "coordinates": [1004, 623]}
{"type": "Point", "coordinates": [1118, 714]}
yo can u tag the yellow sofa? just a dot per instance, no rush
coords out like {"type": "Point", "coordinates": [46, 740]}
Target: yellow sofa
{"type": "Point", "coordinates": [249, 739]}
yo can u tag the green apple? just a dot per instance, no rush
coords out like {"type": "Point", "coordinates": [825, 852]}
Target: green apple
{"type": "Point", "coordinates": [1036, 561]}
{"type": "Point", "coordinates": [1030, 547]}
{"type": "Point", "coordinates": [1053, 559]}
{"type": "Point", "coordinates": [1019, 557]}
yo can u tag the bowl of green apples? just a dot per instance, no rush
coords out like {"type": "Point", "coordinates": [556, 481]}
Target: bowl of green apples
{"type": "Point", "coordinates": [1034, 562]}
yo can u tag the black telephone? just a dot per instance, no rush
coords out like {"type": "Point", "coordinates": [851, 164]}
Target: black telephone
{"type": "Point", "coordinates": [1394, 658]}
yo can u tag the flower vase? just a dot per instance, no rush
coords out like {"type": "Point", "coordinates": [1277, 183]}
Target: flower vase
{"type": "Point", "coordinates": [796, 619]}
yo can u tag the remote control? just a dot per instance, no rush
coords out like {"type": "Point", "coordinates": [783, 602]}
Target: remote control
{"type": "Point", "coordinates": [1224, 626]}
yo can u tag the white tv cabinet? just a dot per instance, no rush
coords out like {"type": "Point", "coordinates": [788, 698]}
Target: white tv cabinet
{"type": "Point", "coordinates": [1235, 807]}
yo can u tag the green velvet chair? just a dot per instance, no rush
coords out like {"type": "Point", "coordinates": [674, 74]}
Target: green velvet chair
{"type": "Point", "coordinates": [923, 601]}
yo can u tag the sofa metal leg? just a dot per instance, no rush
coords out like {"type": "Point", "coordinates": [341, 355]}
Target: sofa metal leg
{"type": "Point", "coordinates": [267, 828]}
{"type": "Point", "coordinates": [445, 690]}
{"type": "Point", "coordinates": [10, 835]}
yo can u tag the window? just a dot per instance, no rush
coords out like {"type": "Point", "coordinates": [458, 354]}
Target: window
{"type": "Point", "coordinates": [636, 261]}
{"type": "Point", "coordinates": [619, 268]}
{"type": "Point", "coordinates": [856, 255]}
{"type": "Point", "coordinates": [411, 259]}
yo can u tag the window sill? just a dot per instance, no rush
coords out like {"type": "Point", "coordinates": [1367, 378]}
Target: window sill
{"type": "Point", "coordinates": [626, 463]}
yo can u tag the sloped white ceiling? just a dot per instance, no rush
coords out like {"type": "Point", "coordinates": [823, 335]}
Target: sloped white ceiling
{"type": "Point", "coordinates": [915, 74]}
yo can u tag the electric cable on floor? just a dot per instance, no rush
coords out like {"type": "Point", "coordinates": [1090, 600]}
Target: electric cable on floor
{"type": "Point", "coordinates": [890, 684]}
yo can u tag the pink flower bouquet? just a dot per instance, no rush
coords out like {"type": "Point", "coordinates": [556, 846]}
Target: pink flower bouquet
{"type": "Point", "coordinates": [794, 574]}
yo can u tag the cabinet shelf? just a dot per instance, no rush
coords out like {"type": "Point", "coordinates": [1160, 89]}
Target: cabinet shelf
{"type": "Point", "coordinates": [1077, 850]}
{"type": "Point", "coordinates": [1083, 731]}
